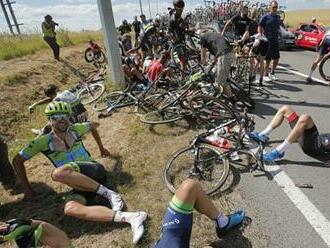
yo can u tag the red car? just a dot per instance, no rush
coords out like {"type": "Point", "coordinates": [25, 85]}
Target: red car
{"type": "Point", "coordinates": [309, 35]}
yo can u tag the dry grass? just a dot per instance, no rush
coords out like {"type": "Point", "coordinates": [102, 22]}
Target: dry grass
{"type": "Point", "coordinates": [294, 17]}
{"type": "Point", "coordinates": [135, 170]}
{"type": "Point", "coordinates": [18, 46]}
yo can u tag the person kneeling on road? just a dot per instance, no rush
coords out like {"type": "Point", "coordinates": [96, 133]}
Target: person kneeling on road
{"type": "Point", "coordinates": [304, 131]}
{"type": "Point", "coordinates": [76, 168]}
{"type": "Point", "coordinates": [33, 233]}
{"type": "Point", "coordinates": [178, 219]}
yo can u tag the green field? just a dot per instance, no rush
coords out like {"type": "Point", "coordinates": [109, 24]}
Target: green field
{"type": "Point", "coordinates": [18, 46]}
{"type": "Point", "coordinates": [294, 17]}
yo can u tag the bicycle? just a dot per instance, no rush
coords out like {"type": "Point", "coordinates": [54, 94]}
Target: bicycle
{"type": "Point", "coordinates": [90, 90]}
{"type": "Point", "coordinates": [206, 160]}
{"type": "Point", "coordinates": [94, 53]}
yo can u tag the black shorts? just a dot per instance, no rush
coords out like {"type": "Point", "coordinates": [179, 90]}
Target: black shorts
{"type": "Point", "coordinates": [310, 142]}
{"type": "Point", "coordinates": [261, 49]}
{"type": "Point", "coordinates": [324, 48]}
{"type": "Point", "coordinates": [79, 113]}
{"type": "Point", "coordinates": [181, 51]}
{"type": "Point", "coordinates": [94, 171]}
{"type": "Point", "coordinates": [273, 51]}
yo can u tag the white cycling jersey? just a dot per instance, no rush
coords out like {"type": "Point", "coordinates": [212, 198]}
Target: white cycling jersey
{"type": "Point", "coordinates": [66, 96]}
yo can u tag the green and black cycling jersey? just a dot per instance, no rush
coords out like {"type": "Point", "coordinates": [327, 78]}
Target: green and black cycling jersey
{"type": "Point", "coordinates": [43, 144]}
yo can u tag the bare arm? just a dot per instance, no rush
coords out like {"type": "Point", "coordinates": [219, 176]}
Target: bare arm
{"type": "Point", "coordinates": [19, 168]}
{"type": "Point", "coordinates": [226, 26]}
{"type": "Point", "coordinates": [246, 35]}
{"type": "Point", "coordinates": [42, 101]}
{"type": "Point", "coordinates": [104, 152]}
{"type": "Point", "coordinates": [260, 30]}
{"type": "Point", "coordinates": [203, 56]}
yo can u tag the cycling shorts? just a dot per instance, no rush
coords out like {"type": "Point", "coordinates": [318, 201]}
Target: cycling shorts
{"type": "Point", "coordinates": [176, 226]}
{"type": "Point", "coordinates": [261, 49]}
{"type": "Point", "coordinates": [94, 171]}
{"type": "Point", "coordinates": [324, 48]}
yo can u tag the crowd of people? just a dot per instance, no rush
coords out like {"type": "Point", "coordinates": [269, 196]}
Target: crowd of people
{"type": "Point", "coordinates": [61, 141]}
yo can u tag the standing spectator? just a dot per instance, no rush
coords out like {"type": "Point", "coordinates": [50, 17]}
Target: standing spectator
{"type": "Point", "coordinates": [241, 24]}
{"type": "Point", "coordinates": [253, 29]}
{"type": "Point", "coordinates": [314, 20]}
{"type": "Point", "coordinates": [48, 30]}
{"type": "Point", "coordinates": [323, 50]}
{"type": "Point", "coordinates": [137, 29]}
{"type": "Point", "coordinates": [269, 26]}
{"type": "Point", "coordinates": [124, 28]}
{"type": "Point", "coordinates": [144, 22]}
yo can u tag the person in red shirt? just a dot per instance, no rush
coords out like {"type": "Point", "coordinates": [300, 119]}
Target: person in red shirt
{"type": "Point", "coordinates": [156, 67]}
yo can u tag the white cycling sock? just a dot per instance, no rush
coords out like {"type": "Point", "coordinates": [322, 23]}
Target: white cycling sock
{"type": "Point", "coordinates": [310, 74]}
{"type": "Point", "coordinates": [267, 130]}
{"type": "Point", "coordinates": [127, 217]}
{"type": "Point", "coordinates": [222, 220]}
{"type": "Point", "coordinates": [283, 147]}
{"type": "Point", "coordinates": [105, 192]}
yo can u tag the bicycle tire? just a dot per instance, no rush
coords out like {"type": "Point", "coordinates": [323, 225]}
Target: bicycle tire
{"type": "Point", "coordinates": [149, 103]}
{"type": "Point", "coordinates": [211, 110]}
{"type": "Point", "coordinates": [322, 68]}
{"type": "Point", "coordinates": [164, 116]}
{"type": "Point", "coordinates": [101, 59]}
{"type": "Point", "coordinates": [242, 96]}
{"type": "Point", "coordinates": [92, 93]}
{"type": "Point", "coordinates": [172, 177]}
{"type": "Point", "coordinates": [106, 101]}
{"type": "Point", "coordinates": [89, 55]}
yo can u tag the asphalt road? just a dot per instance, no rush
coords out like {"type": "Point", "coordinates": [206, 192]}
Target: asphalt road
{"type": "Point", "coordinates": [279, 217]}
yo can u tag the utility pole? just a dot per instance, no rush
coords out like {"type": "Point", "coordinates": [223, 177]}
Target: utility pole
{"type": "Point", "coordinates": [4, 6]}
{"type": "Point", "coordinates": [141, 7]}
{"type": "Point", "coordinates": [111, 42]}
{"type": "Point", "coordinates": [149, 9]}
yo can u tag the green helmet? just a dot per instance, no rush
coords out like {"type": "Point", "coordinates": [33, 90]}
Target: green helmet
{"type": "Point", "coordinates": [54, 108]}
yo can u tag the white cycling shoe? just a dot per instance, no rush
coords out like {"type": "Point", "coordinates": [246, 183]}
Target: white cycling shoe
{"type": "Point", "coordinates": [116, 202]}
{"type": "Point", "coordinates": [137, 226]}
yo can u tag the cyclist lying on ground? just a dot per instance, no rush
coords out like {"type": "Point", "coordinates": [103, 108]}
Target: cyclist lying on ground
{"type": "Point", "coordinates": [33, 233]}
{"type": "Point", "coordinates": [323, 49]}
{"type": "Point", "coordinates": [178, 219]}
{"type": "Point", "coordinates": [157, 66]}
{"type": "Point", "coordinates": [76, 168]}
{"type": "Point", "coordinates": [217, 45]}
{"type": "Point", "coordinates": [79, 113]}
{"type": "Point", "coordinates": [304, 131]}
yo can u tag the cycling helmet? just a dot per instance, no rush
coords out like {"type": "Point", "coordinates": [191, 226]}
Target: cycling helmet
{"type": "Point", "coordinates": [128, 61]}
{"type": "Point", "coordinates": [50, 90]}
{"type": "Point", "coordinates": [325, 141]}
{"type": "Point", "coordinates": [179, 4]}
{"type": "Point", "coordinates": [54, 108]}
{"type": "Point", "coordinates": [150, 28]}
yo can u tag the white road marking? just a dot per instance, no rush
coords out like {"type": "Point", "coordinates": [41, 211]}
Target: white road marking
{"type": "Point", "coordinates": [315, 218]}
{"type": "Point", "coordinates": [304, 75]}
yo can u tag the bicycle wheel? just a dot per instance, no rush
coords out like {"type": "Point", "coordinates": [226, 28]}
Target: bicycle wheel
{"type": "Point", "coordinates": [100, 57]}
{"type": "Point", "coordinates": [89, 55]}
{"type": "Point", "coordinates": [164, 116]}
{"type": "Point", "coordinates": [91, 93]}
{"type": "Point", "coordinates": [242, 96]}
{"type": "Point", "coordinates": [324, 68]}
{"type": "Point", "coordinates": [211, 110]}
{"type": "Point", "coordinates": [204, 163]}
{"type": "Point", "coordinates": [110, 100]}
{"type": "Point", "coordinates": [150, 103]}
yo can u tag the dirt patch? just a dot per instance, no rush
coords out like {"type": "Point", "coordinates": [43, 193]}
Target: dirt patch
{"type": "Point", "coordinates": [135, 169]}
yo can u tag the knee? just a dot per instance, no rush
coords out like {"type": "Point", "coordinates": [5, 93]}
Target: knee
{"type": "Point", "coordinates": [72, 208]}
{"type": "Point", "coordinates": [189, 185]}
{"type": "Point", "coordinates": [305, 119]}
{"type": "Point", "coordinates": [60, 174]}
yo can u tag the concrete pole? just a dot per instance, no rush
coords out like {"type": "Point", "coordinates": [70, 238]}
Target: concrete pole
{"type": "Point", "coordinates": [6, 16]}
{"type": "Point", "coordinates": [149, 9]}
{"type": "Point", "coordinates": [141, 7]}
{"type": "Point", "coordinates": [111, 41]}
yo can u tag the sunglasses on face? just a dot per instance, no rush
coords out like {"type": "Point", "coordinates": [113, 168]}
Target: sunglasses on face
{"type": "Point", "coordinates": [274, 7]}
{"type": "Point", "coordinates": [59, 117]}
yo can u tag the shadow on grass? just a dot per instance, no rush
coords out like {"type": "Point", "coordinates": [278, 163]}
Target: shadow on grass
{"type": "Point", "coordinates": [74, 70]}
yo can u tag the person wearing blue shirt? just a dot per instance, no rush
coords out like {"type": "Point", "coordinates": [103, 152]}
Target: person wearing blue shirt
{"type": "Point", "coordinates": [269, 26]}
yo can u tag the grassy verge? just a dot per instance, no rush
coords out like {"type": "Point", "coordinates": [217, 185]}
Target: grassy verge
{"type": "Point", "coordinates": [294, 17]}
{"type": "Point", "coordinates": [18, 46]}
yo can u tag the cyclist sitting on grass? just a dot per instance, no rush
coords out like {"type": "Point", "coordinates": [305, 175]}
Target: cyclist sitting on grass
{"type": "Point", "coordinates": [33, 233]}
{"type": "Point", "coordinates": [304, 131]}
{"type": "Point", "coordinates": [178, 220]}
{"type": "Point", "coordinates": [76, 168]}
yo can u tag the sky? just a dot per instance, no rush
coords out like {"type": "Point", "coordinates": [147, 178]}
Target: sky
{"type": "Point", "coordinates": [83, 14]}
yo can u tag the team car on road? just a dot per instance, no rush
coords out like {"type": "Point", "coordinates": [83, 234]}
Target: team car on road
{"type": "Point", "coordinates": [309, 35]}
